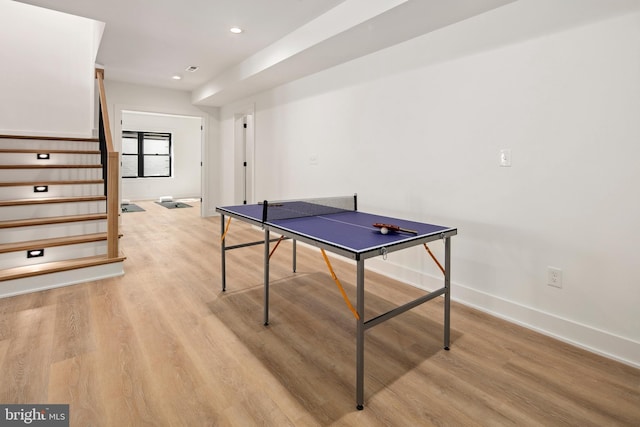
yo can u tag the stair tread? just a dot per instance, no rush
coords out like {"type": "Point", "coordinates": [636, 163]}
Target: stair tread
{"type": "Point", "coordinates": [49, 138]}
{"type": "Point", "coordinates": [56, 266]}
{"type": "Point", "coordinates": [45, 150]}
{"type": "Point", "coordinates": [65, 182]}
{"type": "Point", "coordinates": [52, 220]}
{"type": "Point", "coordinates": [24, 145]}
{"type": "Point", "coordinates": [49, 243]}
{"type": "Point", "coordinates": [45, 200]}
{"type": "Point", "coordinates": [50, 166]}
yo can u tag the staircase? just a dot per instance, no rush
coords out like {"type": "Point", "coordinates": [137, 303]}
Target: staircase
{"type": "Point", "coordinates": [53, 214]}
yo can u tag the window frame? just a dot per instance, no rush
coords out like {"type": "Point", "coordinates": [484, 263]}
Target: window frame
{"type": "Point", "coordinates": [140, 136]}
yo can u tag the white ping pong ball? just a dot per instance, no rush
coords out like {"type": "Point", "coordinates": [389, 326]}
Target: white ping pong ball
{"type": "Point", "coordinates": [384, 230]}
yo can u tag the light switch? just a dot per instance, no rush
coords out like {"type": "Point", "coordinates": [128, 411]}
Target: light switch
{"type": "Point", "coordinates": [505, 157]}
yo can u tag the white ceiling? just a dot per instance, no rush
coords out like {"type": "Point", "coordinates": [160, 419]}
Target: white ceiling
{"type": "Point", "coordinates": [148, 41]}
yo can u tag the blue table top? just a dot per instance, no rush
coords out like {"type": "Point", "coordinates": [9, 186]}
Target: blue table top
{"type": "Point", "coordinates": [349, 230]}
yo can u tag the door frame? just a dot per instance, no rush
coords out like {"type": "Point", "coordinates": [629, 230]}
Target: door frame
{"type": "Point", "coordinates": [244, 151]}
{"type": "Point", "coordinates": [204, 149]}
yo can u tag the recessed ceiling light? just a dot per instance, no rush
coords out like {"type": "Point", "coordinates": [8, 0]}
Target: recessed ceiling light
{"type": "Point", "coordinates": [176, 77]}
{"type": "Point", "coordinates": [235, 30]}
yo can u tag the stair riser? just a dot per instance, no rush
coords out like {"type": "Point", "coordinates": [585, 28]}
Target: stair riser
{"type": "Point", "coordinates": [51, 209]}
{"type": "Point", "coordinates": [22, 175]}
{"type": "Point", "coordinates": [50, 231]}
{"type": "Point", "coordinates": [25, 285]}
{"type": "Point", "coordinates": [29, 144]}
{"type": "Point", "coordinates": [27, 192]}
{"type": "Point", "coordinates": [58, 253]}
{"type": "Point", "coordinates": [54, 159]}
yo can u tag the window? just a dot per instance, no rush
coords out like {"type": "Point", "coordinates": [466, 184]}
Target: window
{"type": "Point", "coordinates": [146, 154]}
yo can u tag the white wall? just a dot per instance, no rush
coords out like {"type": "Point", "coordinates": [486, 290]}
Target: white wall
{"type": "Point", "coordinates": [417, 134]}
{"type": "Point", "coordinates": [127, 97]}
{"type": "Point", "coordinates": [186, 156]}
{"type": "Point", "coordinates": [47, 65]}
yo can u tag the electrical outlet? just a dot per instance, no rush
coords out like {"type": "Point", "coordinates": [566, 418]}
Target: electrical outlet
{"type": "Point", "coordinates": [554, 277]}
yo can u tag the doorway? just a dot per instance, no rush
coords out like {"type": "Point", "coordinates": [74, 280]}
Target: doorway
{"type": "Point", "coordinates": [185, 180]}
{"type": "Point", "coordinates": [244, 172]}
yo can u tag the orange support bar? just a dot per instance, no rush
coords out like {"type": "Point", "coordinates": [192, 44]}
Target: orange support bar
{"type": "Point", "coordinates": [226, 229]}
{"type": "Point", "coordinates": [335, 278]}
{"type": "Point", "coordinates": [434, 258]}
{"type": "Point", "coordinates": [276, 246]}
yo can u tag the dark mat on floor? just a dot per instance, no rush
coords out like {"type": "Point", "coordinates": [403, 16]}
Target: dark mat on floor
{"type": "Point", "coordinates": [174, 205]}
{"type": "Point", "coordinates": [131, 208]}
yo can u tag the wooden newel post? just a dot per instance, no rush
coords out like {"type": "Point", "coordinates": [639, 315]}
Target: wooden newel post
{"type": "Point", "coordinates": [113, 201]}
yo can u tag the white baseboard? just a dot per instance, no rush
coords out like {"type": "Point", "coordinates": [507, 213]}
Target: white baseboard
{"type": "Point", "coordinates": [614, 347]}
{"type": "Point", "coordinates": [27, 285]}
{"type": "Point", "coordinates": [606, 344]}
{"type": "Point", "coordinates": [586, 337]}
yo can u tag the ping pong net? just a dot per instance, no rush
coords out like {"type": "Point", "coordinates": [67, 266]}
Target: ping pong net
{"type": "Point", "coordinates": [287, 209]}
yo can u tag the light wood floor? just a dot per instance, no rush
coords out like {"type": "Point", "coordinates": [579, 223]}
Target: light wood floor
{"type": "Point", "coordinates": [163, 346]}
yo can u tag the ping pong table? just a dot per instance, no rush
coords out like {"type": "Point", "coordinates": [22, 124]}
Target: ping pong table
{"type": "Point", "coordinates": [335, 225]}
